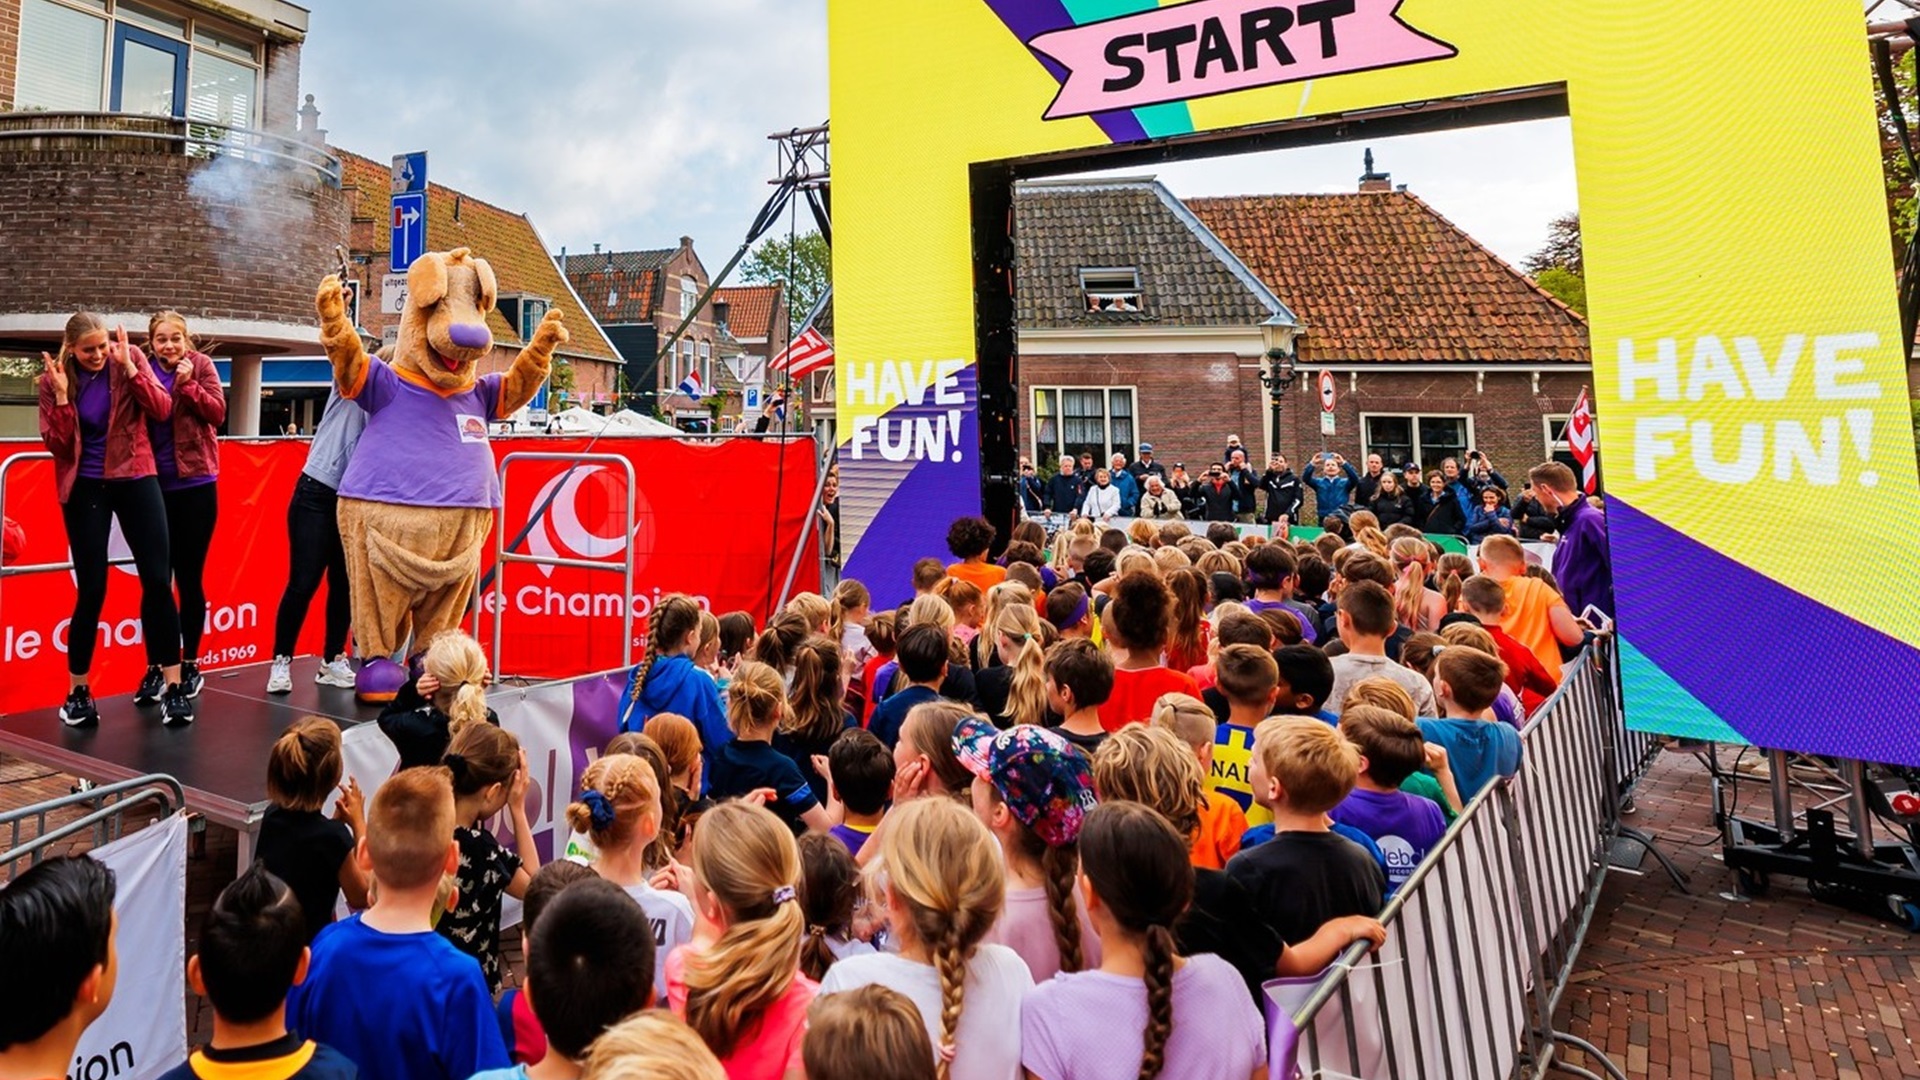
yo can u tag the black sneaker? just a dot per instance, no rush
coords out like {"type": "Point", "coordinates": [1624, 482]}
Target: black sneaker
{"type": "Point", "coordinates": [176, 706]}
{"type": "Point", "coordinates": [152, 686]}
{"type": "Point", "coordinates": [191, 680]}
{"type": "Point", "coordinates": [79, 710]}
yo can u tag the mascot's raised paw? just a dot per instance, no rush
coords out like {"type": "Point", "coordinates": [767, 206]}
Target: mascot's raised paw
{"type": "Point", "coordinates": [331, 300]}
{"type": "Point", "coordinates": [551, 333]}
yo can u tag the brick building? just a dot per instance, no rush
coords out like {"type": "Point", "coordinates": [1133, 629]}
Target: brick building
{"type": "Point", "coordinates": [149, 158]}
{"type": "Point", "coordinates": [1138, 323]}
{"type": "Point", "coordinates": [641, 297]}
{"type": "Point", "coordinates": [755, 328]}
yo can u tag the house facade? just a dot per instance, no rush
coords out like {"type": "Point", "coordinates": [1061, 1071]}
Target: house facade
{"type": "Point", "coordinates": [641, 297]}
{"type": "Point", "coordinates": [1145, 318]}
{"type": "Point", "coordinates": [755, 328]}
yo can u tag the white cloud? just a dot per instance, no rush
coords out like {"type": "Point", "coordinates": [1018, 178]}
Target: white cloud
{"type": "Point", "coordinates": [628, 124]}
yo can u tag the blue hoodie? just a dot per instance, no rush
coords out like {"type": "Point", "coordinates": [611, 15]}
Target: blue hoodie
{"type": "Point", "coordinates": [675, 685]}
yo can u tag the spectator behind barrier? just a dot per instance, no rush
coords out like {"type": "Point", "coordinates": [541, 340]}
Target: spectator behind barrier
{"type": "Point", "coordinates": [57, 929]}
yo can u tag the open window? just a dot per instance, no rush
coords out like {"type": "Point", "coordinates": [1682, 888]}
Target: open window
{"type": "Point", "coordinates": [1111, 289]}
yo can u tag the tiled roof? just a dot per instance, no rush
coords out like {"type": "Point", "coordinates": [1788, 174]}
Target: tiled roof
{"type": "Point", "coordinates": [508, 241]}
{"type": "Point", "coordinates": [621, 286]}
{"type": "Point", "coordinates": [750, 308]}
{"type": "Point", "coordinates": [1187, 278]}
{"type": "Point", "coordinates": [1382, 276]}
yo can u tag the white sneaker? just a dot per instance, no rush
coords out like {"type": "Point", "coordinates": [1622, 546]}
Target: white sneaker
{"type": "Point", "coordinates": [336, 672]}
{"type": "Point", "coordinates": [280, 679]}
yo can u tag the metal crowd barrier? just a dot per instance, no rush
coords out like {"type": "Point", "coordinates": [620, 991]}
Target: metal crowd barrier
{"type": "Point", "coordinates": [103, 812]}
{"type": "Point", "coordinates": [1485, 934]}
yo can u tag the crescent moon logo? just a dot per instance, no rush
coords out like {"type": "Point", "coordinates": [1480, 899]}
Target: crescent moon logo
{"type": "Point", "coordinates": [563, 534]}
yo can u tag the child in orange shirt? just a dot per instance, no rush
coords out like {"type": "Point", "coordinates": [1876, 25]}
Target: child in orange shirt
{"type": "Point", "coordinates": [1221, 821]}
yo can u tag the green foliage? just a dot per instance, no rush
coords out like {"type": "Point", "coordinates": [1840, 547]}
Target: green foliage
{"type": "Point", "coordinates": [1901, 205]}
{"type": "Point", "coordinates": [1562, 248]}
{"type": "Point", "coordinates": [806, 265]}
{"type": "Point", "coordinates": [1568, 286]}
{"type": "Point", "coordinates": [561, 381]}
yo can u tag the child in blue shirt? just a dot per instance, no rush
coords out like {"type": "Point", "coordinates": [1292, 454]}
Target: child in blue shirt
{"type": "Point", "coordinates": [667, 679]}
{"type": "Point", "coordinates": [1465, 684]}
{"type": "Point", "coordinates": [399, 1000]}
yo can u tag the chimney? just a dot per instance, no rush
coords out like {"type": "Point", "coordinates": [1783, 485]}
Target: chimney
{"type": "Point", "coordinates": [310, 130]}
{"type": "Point", "coordinates": [722, 311]}
{"type": "Point", "coordinates": [686, 242]}
{"type": "Point", "coordinates": [1372, 181]}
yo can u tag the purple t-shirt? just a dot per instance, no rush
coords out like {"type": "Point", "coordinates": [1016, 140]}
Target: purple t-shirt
{"type": "Point", "coordinates": [93, 401]}
{"type": "Point", "coordinates": [1404, 826]}
{"type": "Point", "coordinates": [160, 435]}
{"type": "Point", "coordinates": [1307, 633]}
{"type": "Point", "coordinates": [1091, 1025]}
{"type": "Point", "coordinates": [854, 838]}
{"type": "Point", "coordinates": [431, 449]}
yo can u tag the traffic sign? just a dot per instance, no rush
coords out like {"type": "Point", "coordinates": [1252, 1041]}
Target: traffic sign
{"type": "Point", "coordinates": [1326, 392]}
{"type": "Point", "coordinates": [393, 294]}
{"type": "Point", "coordinates": [410, 172]}
{"type": "Point", "coordinates": [1326, 424]}
{"type": "Point", "coordinates": [409, 229]}
{"type": "Point", "coordinates": [750, 398]}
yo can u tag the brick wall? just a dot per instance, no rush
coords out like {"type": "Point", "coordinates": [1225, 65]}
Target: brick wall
{"type": "Point", "coordinates": [133, 230]}
{"type": "Point", "coordinates": [9, 51]}
{"type": "Point", "coordinates": [1187, 403]}
{"type": "Point", "coordinates": [280, 104]}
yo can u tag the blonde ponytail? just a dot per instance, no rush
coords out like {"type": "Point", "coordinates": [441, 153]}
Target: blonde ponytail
{"type": "Point", "coordinates": [1027, 694]}
{"type": "Point", "coordinates": [746, 858]}
{"type": "Point", "coordinates": [461, 666]}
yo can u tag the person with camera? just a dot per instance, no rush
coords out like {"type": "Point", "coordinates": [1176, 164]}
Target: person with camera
{"type": "Point", "coordinates": [1033, 494]}
{"type": "Point", "coordinates": [1333, 479]}
{"type": "Point", "coordinates": [1216, 495]}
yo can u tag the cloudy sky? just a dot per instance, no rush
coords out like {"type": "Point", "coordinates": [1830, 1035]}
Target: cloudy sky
{"type": "Point", "coordinates": [632, 124]}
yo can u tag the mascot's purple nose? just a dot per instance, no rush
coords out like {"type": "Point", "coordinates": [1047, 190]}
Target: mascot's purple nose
{"type": "Point", "coordinates": [468, 335]}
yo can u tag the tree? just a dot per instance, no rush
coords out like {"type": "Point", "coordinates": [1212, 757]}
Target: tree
{"type": "Point", "coordinates": [806, 265]}
{"type": "Point", "coordinates": [1562, 248]}
{"type": "Point", "coordinates": [1569, 287]}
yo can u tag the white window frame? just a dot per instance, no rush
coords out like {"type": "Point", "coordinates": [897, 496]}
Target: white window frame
{"type": "Point", "coordinates": [111, 15]}
{"type": "Point", "coordinates": [1555, 446]}
{"type": "Point", "coordinates": [1413, 419]}
{"type": "Point", "coordinates": [1097, 298]}
{"type": "Point", "coordinates": [1060, 418]}
{"type": "Point", "coordinates": [689, 290]}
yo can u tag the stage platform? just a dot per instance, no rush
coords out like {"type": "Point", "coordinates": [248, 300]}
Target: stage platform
{"type": "Point", "coordinates": [220, 759]}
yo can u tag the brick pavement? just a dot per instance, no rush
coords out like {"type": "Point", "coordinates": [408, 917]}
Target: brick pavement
{"type": "Point", "coordinates": [1709, 986]}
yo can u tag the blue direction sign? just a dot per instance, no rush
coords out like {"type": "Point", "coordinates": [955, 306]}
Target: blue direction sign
{"type": "Point", "coordinates": [410, 172]}
{"type": "Point", "coordinates": [409, 229]}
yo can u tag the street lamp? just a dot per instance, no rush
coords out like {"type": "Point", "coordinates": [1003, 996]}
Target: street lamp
{"type": "Point", "coordinates": [1277, 378]}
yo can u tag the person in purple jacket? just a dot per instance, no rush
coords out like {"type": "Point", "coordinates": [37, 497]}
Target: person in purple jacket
{"type": "Point", "coordinates": [1580, 562]}
{"type": "Point", "coordinates": [186, 457]}
{"type": "Point", "coordinates": [96, 401]}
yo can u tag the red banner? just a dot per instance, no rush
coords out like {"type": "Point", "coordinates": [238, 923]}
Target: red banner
{"type": "Point", "coordinates": [705, 523]}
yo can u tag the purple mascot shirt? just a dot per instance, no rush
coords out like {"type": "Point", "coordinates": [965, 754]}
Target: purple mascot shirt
{"type": "Point", "coordinates": [433, 446]}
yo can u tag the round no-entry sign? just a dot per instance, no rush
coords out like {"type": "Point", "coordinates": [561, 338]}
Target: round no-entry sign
{"type": "Point", "coordinates": [1326, 391]}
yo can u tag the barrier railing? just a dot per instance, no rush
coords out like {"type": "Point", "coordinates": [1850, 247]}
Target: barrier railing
{"type": "Point", "coordinates": [103, 812]}
{"type": "Point", "coordinates": [1484, 935]}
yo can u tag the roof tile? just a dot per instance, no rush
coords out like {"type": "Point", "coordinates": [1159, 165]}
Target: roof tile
{"type": "Point", "coordinates": [750, 308]}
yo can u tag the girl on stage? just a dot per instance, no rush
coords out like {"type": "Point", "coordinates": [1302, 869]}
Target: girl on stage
{"type": "Point", "coordinates": [186, 457]}
{"type": "Point", "coordinates": [96, 400]}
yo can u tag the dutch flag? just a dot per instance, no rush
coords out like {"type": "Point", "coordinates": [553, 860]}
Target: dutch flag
{"type": "Point", "coordinates": [690, 386]}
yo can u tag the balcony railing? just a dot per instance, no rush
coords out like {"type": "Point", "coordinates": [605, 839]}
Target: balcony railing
{"type": "Point", "coordinates": [65, 130]}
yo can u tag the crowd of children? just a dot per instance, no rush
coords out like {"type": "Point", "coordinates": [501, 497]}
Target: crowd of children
{"type": "Point", "coordinates": [1056, 816]}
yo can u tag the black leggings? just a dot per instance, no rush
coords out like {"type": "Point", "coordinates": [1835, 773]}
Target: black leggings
{"type": "Point", "coordinates": [190, 516]}
{"type": "Point", "coordinates": [89, 513]}
{"type": "Point", "coordinates": [313, 539]}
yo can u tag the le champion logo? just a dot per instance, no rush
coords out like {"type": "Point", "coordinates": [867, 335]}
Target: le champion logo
{"type": "Point", "coordinates": [1209, 47]}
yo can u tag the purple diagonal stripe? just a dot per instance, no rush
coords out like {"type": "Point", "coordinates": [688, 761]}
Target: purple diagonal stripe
{"type": "Point", "coordinates": [1029, 19]}
{"type": "Point", "coordinates": [1782, 669]}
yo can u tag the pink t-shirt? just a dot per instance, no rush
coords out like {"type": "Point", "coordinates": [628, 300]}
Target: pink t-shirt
{"type": "Point", "coordinates": [1026, 926]}
{"type": "Point", "coordinates": [433, 446]}
{"type": "Point", "coordinates": [770, 1047]}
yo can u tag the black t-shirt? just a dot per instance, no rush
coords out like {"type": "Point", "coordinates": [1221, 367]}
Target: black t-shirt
{"type": "Point", "coordinates": [1300, 880]}
{"type": "Point", "coordinates": [1087, 743]}
{"type": "Point", "coordinates": [305, 848]}
{"type": "Point", "coordinates": [473, 923]}
{"type": "Point", "coordinates": [1224, 922]}
{"type": "Point", "coordinates": [742, 765]}
{"type": "Point", "coordinates": [801, 750]}
{"type": "Point", "coordinates": [417, 729]}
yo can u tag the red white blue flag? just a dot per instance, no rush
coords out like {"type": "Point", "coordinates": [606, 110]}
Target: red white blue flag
{"type": "Point", "coordinates": [1582, 442]}
{"type": "Point", "coordinates": [810, 352]}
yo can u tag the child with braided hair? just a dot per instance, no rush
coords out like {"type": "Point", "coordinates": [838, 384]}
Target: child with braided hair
{"type": "Point", "coordinates": [738, 982]}
{"type": "Point", "coordinates": [1192, 1012]}
{"type": "Point", "coordinates": [941, 881]}
{"type": "Point", "coordinates": [619, 808]}
{"type": "Point", "coordinates": [1032, 788]}
{"type": "Point", "coordinates": [667, 680]}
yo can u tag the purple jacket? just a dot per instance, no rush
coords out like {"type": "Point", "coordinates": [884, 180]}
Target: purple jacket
{"type": "Point", "coordinates": [1581, 562]}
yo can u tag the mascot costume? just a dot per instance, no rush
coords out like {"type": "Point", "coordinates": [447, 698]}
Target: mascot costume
{"type": "Point", "coordinates": [418, 498]}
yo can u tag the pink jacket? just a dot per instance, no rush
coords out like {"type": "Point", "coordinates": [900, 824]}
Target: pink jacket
{"type": "Point", "coordinates": [199, 408]}
{"type": "Point", "coordinates": [136, 399]}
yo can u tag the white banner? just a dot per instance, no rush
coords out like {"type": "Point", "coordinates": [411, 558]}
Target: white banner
{"type": "Point", "coordinates": [561, 727]}
{"type": "Point", "coordinates": [143, 1033]}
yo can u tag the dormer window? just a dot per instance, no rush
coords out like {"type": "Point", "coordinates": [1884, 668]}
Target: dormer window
{"type": "Point", "coordinates": [1111, 289]}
